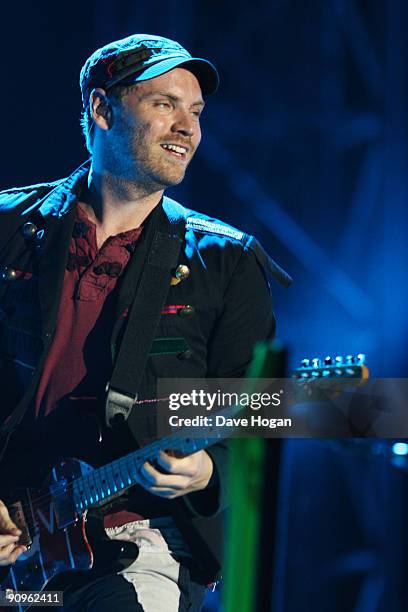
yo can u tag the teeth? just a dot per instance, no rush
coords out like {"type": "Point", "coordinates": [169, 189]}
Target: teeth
{"type": "Point", "coordinates": [175, 148]}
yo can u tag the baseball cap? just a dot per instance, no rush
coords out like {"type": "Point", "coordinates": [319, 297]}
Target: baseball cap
{"type": "Point", "coordinates": [141, 57]}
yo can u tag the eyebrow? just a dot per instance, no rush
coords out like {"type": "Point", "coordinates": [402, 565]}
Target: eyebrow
{"type": "Point", "coordinates": [173, 98]}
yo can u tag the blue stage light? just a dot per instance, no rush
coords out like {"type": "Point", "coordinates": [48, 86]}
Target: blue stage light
{"type": "Point", "coordinates": [400, 448]}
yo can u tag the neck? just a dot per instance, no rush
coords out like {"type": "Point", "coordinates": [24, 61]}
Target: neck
{"type": "Point", "coordinates": [116, 205]}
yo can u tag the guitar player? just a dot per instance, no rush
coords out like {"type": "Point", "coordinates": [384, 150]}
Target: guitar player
{"type": "Point", "coordinates": [77, 257]}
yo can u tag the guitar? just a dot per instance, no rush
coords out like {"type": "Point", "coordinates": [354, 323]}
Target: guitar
{"type": "Point", "coordinates": [62, 525]}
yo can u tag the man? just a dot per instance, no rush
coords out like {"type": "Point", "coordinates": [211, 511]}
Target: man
{"type": "Point", "coordinates": [77, 257]}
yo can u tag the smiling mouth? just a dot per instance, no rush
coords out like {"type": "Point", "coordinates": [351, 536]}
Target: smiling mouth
{"type": "Point", "coordinates": [176, 151]}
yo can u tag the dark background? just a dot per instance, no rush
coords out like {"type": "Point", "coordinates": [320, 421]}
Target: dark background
{"type": "Point", "coordinates": [305, 145]}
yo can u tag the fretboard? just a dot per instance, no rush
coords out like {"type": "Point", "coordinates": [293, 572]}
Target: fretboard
{"type": "Point", "coordinates": [112, 479]}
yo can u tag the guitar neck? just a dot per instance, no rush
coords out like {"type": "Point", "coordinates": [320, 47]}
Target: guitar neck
{"type": "Point", "coordinates": [115, 478]}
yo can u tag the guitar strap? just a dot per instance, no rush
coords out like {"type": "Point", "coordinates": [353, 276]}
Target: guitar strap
{"type": "Point", "coordinates": [162, 255]}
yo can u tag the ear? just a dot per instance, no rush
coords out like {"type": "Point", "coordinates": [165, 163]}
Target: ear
{"type": "Point", "coordinates": [100, 108]}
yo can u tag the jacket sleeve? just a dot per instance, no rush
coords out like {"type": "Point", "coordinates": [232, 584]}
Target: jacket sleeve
{"type": "Point", "coordinates": [247, 318]}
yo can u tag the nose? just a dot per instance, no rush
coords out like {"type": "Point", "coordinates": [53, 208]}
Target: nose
{"type": "Point", "coordinates": [184, 123]}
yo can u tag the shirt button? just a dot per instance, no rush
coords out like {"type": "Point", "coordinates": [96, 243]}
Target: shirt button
{"type": "Point", "coordinates": [185, 354]}
{"type": "Point", "coordinates": [186, 311]}
{"type": "Point", "coordinates": [8, 274]}
{"type": "Point", "coordinates": [29, 229]}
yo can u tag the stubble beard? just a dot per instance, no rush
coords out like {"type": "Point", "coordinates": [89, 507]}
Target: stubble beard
{"type": "Point", "coordinates": [134, 158]}
{"type": "Point", "coordinates": [150, 164]}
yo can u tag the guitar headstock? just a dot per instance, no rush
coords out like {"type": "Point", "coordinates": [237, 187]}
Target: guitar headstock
{"type": "Point", "coordinates": [350, 366]}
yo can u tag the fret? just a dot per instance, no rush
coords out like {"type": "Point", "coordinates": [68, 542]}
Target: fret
{"type": "Point", "coordinates": [113, 485]}
{"type": "Point", "coordinates": [117, 480]}
{"type": "Point", "coordinates": [92, 488]}
{"type": "Point", "coordinates": [89, 491]}
{"type": "Point", "coordinates": [98, 486]}
{"type": "Point", "coordinates": [99, 489]}
{"type": "Point", "coordinates": [103, 479]}
{"type": "Point", "coordinates": [134, 466]}
{"type": "Point", "coordinates": [123, 474]}
{"type": "Point", "coordinates": [84, 492]}
{"type": "Point", "coordinates": [130, 471]}
{"type": "Point", "coordinates": [117, 476]}
{"type": "Point", "coordinates": [126, 472]}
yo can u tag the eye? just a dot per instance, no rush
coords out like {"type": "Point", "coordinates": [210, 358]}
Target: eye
{"type": "Point", "coordinates": [163, 104]}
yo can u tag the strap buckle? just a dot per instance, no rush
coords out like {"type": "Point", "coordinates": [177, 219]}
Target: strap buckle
{"type": "Point", "coordinates": [118, 406]}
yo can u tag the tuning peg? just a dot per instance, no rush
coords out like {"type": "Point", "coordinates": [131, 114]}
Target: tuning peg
{"type": "Point", "coordinates": [305, 363]}
{"type": "Point", "coordinates": [361, 358]}
{"type": "Point", "coordinates": [327, 360]}
{"type": "Point", "coordinates": [327, 373]}
{"type": "Point", "coordinates": [338, 362]}
{"type": "Point", "coordinates": [316, 362]}
{"type": "Point", "coordinates": [349, 359]}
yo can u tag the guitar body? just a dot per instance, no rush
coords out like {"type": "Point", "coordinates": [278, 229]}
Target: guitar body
{"type": "Point", "coordinates": [65, 550]}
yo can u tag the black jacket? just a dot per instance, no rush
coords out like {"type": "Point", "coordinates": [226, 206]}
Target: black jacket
{"type": "Point", "coordinates": [227, 287]}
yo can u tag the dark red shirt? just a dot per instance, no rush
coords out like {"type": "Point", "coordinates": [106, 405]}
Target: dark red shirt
{"type": "Point", "coordinates": [79, 361]}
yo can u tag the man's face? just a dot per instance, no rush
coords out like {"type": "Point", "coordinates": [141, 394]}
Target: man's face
{"type": "Point", "coordinates": [156, 130]}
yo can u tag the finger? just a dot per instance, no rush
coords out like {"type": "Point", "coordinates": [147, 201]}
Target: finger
{"type": "Point", "coordinates": [146, 484]}
{"type": "Point", "coordinates": [6, 540]}
{"type": "Point", "coordinates": [16, 553]}
{"type": "Point", "coordinates": [157, 479]}
{"type": "Point", "coordinates": [165, 493]}
{"type": "Point", "coordinates": [6, 552]}
{"type": "Point", "coordinates": [161, 491]}
{"type": "Point", "coordinates": [176, 465]}
{"type": "Point", "coordinates": [6, 524]}
{"type": "Point", "coordinates": [14, 531]}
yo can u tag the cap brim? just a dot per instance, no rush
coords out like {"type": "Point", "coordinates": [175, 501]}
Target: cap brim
{"type": "Point", "coordinates": [204, 70]}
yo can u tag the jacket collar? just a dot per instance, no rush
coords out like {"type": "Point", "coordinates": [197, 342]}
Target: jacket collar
{"type": "Point", "coordinates": [59, 201]}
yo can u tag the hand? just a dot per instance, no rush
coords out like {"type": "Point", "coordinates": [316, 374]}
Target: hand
{"type": "Point", "coordinates": [9, 536]}
{"type": "Point", "coordinates": [183, 475]}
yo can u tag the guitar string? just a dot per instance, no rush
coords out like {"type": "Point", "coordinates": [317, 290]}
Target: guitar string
{"type": "Point", "coordinates": [136, 457]}
{"type": "Point", "coordinates": [69, 506]}
{"type": "Point", "coordinates": [42, 501]}
{"type": "Point", "coordinates": [175, 441]}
